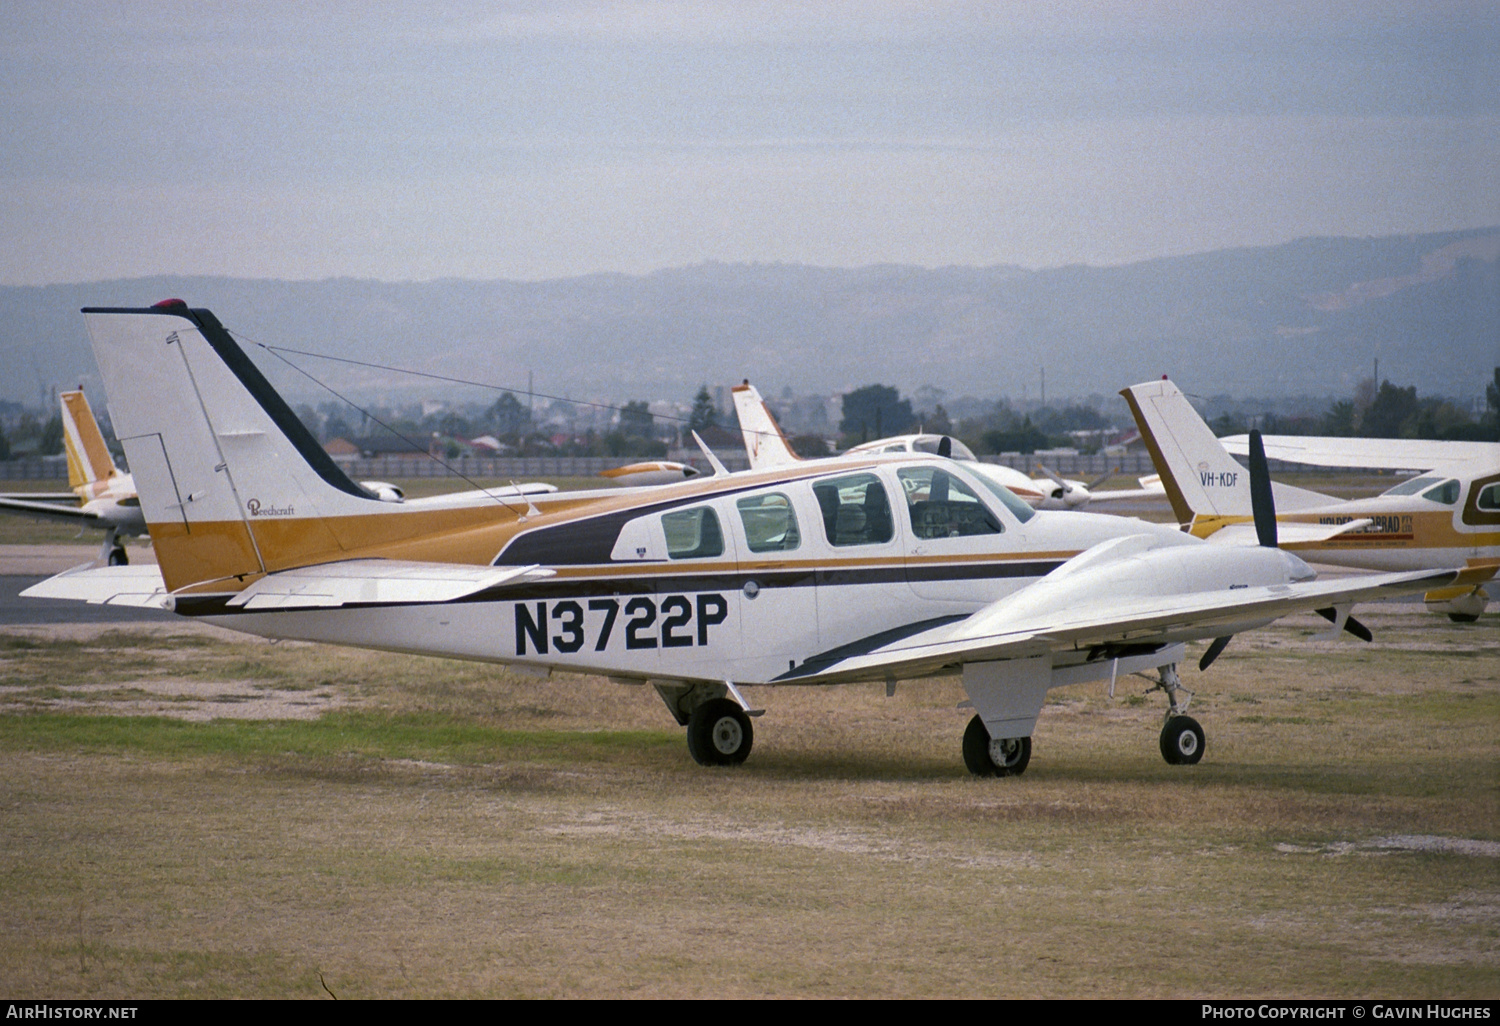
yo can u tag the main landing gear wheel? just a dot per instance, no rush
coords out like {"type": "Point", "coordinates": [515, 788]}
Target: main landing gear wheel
{"type": "Point", "coordinates": [994, 757]}
{"type": "Point", "coordinates": [719, 734]}
{"type": "Point", "coordinates": [117, 556]}
{"type": "Point", "coordinates": [1182, 741]}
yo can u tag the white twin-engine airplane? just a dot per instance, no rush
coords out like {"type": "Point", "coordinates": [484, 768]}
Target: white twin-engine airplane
{"type": "Point", "coordinates": [1450, 518]}
{"type": "Point", "coordinates": [767, 447]}
{"type": "Point", "coordinates": [879, 569]}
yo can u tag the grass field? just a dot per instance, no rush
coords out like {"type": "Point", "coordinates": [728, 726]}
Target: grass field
{"type": "Point", "coordinates": [187, 813]}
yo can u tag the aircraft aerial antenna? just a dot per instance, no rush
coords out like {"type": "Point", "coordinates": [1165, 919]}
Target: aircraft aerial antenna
{"type": "Point", "coordinates": [490, 386]}
{"type": "Point", "coordinates": [411, 442]}
{"type": "Point", "coordinates": [719, 469]}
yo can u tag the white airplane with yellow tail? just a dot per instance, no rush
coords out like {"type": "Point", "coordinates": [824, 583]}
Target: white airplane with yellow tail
{"type": "Point", "coordinates": [885, 568]}
{"type": "Point", "coordinates": [767, 447]}
{"type": "Point", "coordinates": [1447, 519]}
{"type": "Point", "coordinates": [102, 495]}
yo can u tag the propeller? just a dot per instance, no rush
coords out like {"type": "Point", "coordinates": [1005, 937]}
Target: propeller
{"type": "Point", "coordinates": [1214, 651]}
{"type": "Point", "coordinates": [945, 448]}
{"type": "Point", "coordinates": [1263, 507]}
{"type": "Point", "coordinates": [1351, 625]}
{"type": "Point", "coordinates": [1262, 504]}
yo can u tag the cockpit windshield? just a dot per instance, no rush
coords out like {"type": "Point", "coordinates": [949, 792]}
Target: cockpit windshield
{"type": "Point", "coordinates": [931, 443]}
{"type": "Point", "coordinates": [1413, 486]}
{"type": "Point", "coordinates": [1018, 506]}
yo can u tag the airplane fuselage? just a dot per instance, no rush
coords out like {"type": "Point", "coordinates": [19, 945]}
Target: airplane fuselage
{"type": "Point", "coordinates": [728, 579]}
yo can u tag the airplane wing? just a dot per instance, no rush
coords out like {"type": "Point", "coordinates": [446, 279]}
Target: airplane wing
{"type": "Point", "coordinates": [41, 496]}
{"type": "Point", "coordinates": [1150, 488]}
{"type": "Point", "coordinates": [324, 586]}
{"type": "Point", "coordinates": [1003, 630]}
{"type": "Point", "coordinates": [1372, 453]}
{"type": "Point", "coordinates": [43, 508]}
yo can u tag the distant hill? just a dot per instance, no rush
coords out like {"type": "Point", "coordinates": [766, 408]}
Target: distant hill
{"type": "Point", "coordinates": [1303, 318]}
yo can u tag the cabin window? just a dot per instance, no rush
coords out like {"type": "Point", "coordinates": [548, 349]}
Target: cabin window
{"type": "Point", "coordinates": [693, 533]}
{"type": "Point", "coordinates": [942, 506]}
{"type": "Point", "coordinates": [856, 510]}
{"type": "Point", "coordinates": [1489, 498]}
{"type": "Point", "coordinates": [1446, 493]}
{"type": "Point", "coordinates": [770, 524]}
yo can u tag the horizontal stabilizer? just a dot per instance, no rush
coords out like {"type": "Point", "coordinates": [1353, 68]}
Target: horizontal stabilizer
{"type": "Point", "coordinates": [376, 582]}
{"type": "Point", "coordinates": [105, 585]}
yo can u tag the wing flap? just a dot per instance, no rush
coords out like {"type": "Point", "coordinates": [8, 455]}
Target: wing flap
{"type": "Point", "coordinates": [376, 582]}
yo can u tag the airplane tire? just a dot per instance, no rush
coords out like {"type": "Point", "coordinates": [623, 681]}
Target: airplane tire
{"type": "Point", "coordinates": [1463, 618]}
{"type": "Point", "coordinates": [1182, 741]}
{"type": "Point", "coordinates": [719, 734]}
{"type": "Point", "coordinates": [117, 556]}
{"type": "Point", "coordinates": [986, 757]}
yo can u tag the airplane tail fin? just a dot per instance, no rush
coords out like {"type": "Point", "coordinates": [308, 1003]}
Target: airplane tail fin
{"type": "Point", "coordinates": [231, 483]}
{"type": "Point", "coordinates": [765, 444]}
{"type": "Point", "coordinates": [89, 462]}
{"type": "Point", "coordinates": [1200, 477]}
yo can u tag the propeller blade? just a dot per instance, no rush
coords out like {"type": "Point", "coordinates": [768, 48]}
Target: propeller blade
{"type": "Point", "coordinates": [1358, 629]}
{"type": "Point", "coordinates": [1100, 480]}
{"type": "Point", "coordinates": [1262, 504]}
{"type": "Point", "coordinates": [1214, 651]}
{"type": "Point", "coordinates": [1351, 625]}
{"type": "Point", "coordinates": [945, 448]}
{"type": "Point", "coordinates": [1053, 475]}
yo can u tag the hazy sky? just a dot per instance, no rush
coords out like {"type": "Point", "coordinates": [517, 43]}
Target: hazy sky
{"type": "Point", "coordinates": [547, 139]}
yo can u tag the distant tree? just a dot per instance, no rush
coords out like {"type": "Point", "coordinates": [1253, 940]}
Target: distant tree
{"type": "Point", "coordinates": [938, 421]}
{"type": "Point", "coordinates": [636, 420]}
{"type": "Point", "coordinates": [705, 414]}
{"type": "Point", "coordinates": [51, 443]}
{"type": "Point", "coordinates": [508, 416]}
{"type": "Point", "coordinates": [309, 417]}
{"type": "Point", "coordinates": [1492, 405]}
{"type": "Point", "coordinates": [4, 446]}
{"type": "Point", "coordinates": [876, 411]}
{"type": "Point", "coordinates": [1389, 411]}
{"type": "Point", "coordinates": [810, 447]}
{"type": "Point", "coordinates": [1227, 424]}
{"type": "Point", "coordinates": [1339, 420]}
{"type": "Point", "coordinates": [1027, 437]}
{"type": "Point", "coordinates": [335, 426]}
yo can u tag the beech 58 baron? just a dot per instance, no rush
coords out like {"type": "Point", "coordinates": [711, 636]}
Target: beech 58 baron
{"type": "Point", "coordinates": [882, 568]}
{"type": "Point", "coordinates": [767, 447]}
{"type": "Point", "coordinates": [1446, 519]}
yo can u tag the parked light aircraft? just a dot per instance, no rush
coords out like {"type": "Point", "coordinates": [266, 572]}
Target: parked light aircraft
{"type": "Point", "coordinates": [650, 472]}
{"type": "Point", "coordinates": [767, 447]}
{"type": "Point", "coordinates": [1449, 519]}
{"type": "Point", "coordinates": [102, 495]}
{"type": "Point", "coordinates": [882, 568]}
